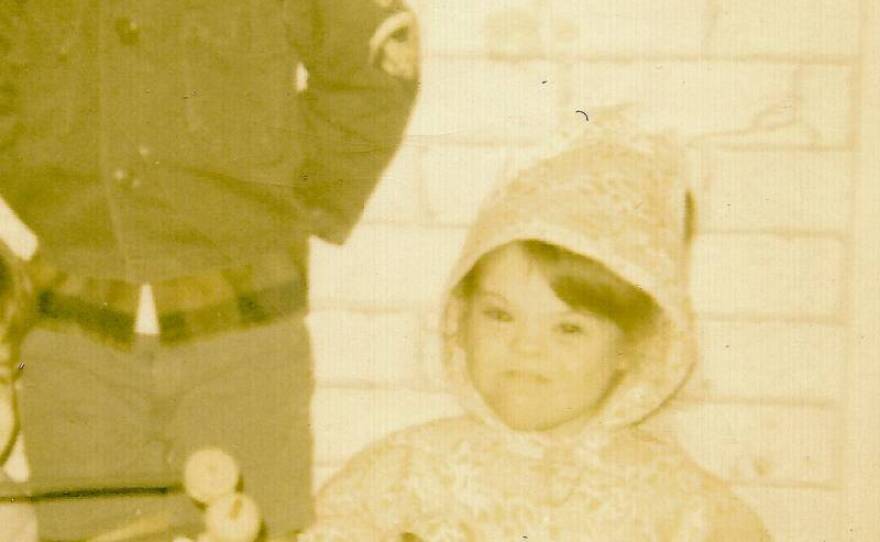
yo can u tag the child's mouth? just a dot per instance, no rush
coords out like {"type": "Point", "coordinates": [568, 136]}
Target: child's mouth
{"type": "Point", "coordinates": [525, 378]}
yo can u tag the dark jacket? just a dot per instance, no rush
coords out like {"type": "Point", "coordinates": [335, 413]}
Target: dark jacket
{"type": "Point", "coordinates": [148, 140]}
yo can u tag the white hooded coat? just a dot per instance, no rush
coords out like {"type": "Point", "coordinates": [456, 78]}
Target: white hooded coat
{"type": "Point", "coordinates": [619, 200]}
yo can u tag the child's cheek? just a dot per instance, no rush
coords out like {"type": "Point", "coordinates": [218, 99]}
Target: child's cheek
{"type": "Point", "coordinates": [580, 361]}
{"type": "Point", "coordinates": [568, 357]}
{"type": "Point", "coordinates": [495, 353]}
{"type": "Point", "coordinates": [485, 348]}
{"type": "Point", "coordinates": [494, 335]}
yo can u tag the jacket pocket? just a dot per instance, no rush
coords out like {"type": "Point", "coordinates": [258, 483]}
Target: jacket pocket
{"type": "Point", "coordinates": [238, 83]}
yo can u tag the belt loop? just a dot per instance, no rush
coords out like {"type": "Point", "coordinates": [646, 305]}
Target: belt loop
{"type": "Point", "coordinates": [146, 322]}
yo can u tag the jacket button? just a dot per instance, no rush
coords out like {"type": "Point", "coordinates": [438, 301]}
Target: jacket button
{"type": "Point", "coordinates": [121, 175]}
{"type": "Point", "coordinates": [128, 30]}
{"type": "Point", "coordinates": [126, 178]}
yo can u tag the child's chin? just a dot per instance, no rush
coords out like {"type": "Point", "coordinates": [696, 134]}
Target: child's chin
{"type": "Point", "coordinates": [526, 421]}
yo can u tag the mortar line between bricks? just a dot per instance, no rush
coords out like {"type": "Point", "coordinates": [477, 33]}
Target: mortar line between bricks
{"type": "Point", "coordinates": [769, 402]}
{"type": "Point", "coordinates": [370, 306]}
{"type": "Point", "coordinates": [381, 388]}
{"type": "Point", "coordinates": [759, 318]}
{"type": "Point", "coordinates": [811, 59]}
{"type": "Point", "coordinates": [425, 329]}
{"type": "Point", "coordinates": [711, 13]}
{"type": "Point", "coordinates": [428, 223]}
{"type": "Point", "coordinates": [707, 184]}
{"type": "Point", "coordinates": [780, 147]}
{"type": "Point", "coordinates": [849, 347]}
{"type": "Point", "coordinates": [363, 310]}
{"type": "Point", "coordinates": [793, 233]}
{"type": "Point", "coordinates": [784, 484]}
{"type": "Point", "coordinates": [422, 199]}
{"type": "Point", "coordinates": [782, 233]}
{"type": "Point", "coordinates": [430, 141]}
{"type": "Point", "coordinates": [492, 141]}
{"type": "Point", "coordinates": [361, 384]}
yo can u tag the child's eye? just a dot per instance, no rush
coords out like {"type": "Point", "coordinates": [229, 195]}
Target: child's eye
{"type": "Point", "coordinates": [499, 315]}
{"type": "Point", "coordinates": [569, 328]}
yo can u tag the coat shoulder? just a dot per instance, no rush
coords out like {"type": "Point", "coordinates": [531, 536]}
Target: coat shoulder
{"type": "Point", "coordinates": [706, 503]}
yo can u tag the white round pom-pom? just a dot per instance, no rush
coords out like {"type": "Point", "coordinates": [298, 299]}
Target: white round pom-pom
{"type": "Point", "coordinates": [209, 474]}
{"type": "Point", "coordinates": [233, 518]}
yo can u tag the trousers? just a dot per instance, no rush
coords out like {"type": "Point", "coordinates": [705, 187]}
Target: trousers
{"type": "Point", "coordinates": [106, 430]}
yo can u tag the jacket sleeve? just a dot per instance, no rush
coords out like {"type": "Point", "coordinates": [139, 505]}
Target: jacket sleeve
{"type": "Point", "coordinates": [10, 28]}
{"type": "Point", "coordinates": [15, 193]}
{"type": "Point", "coordinates": [362, 62]}
{"type": "Point", "coordinates": [704, 507]}
{"type": "Point", "coordinates": [711, 512]}
{"type": "Point", "coordinates": [730, 520]}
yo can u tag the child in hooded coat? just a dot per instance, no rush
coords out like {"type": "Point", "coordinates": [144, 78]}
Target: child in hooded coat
{"type": "Point", "coordinates": [567, 324]}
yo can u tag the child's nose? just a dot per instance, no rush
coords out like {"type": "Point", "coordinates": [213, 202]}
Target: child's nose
{"type": "Point", "coordinates": [529, 340]}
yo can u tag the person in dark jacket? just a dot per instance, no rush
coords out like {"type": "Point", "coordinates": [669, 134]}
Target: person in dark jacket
{"type": "Point", "coordinates": [173, 159]}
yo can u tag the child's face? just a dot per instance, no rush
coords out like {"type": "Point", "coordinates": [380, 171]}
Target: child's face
{"type": "Point", "coordinates": [537, 362]}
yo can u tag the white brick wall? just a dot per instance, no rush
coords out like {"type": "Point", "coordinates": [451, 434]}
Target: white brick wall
{"type": "Point", "coordinates": [347, 419]}
{"type": "Point", "coordinates": [473, 99]}
{"type": "Point", "coordinates": [797, 513]}
{"type": "Point", "coordinates": [761, 444]}
{"type": "Point", "coordinates": [767, 275]}
{"type": "Point", "coordinates": [394, 265]}
{"type": "Point", "coordinates": [778, 191]}
{"type": "Point", "coordinates": [769, 89]}
{"type": "Point", "coordinates": [689, 96]}
{"type": "Point", "coordinates": [457, 177]}
{"type": "Point", "coordinates": [778, 361]}
{"type": "Point", "coordinates": [376, 348]}
{"type": "Point", "coordinates": [625, 27]}
{"type": "Point", "coordinates": [398, 198]}
{"type": "Point", "coordinates": [820, 27]}
{"type": "Point", "coordinates": [463, 19]}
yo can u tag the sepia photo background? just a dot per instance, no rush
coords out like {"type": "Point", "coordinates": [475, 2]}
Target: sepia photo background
{"type": "Point", "coordinates": [780, 101]}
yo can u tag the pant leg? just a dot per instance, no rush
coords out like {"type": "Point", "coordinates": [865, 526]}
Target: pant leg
{"type": "Point", "coordinates": [249, 393]}
{"type": "Point", "coordinates": [91, 413]}
{"type": "Point", "coordinates": [86, 422]}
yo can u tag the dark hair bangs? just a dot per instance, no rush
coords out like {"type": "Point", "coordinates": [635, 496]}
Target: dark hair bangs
{"type": "Point", "coordinates": [585, 284]}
